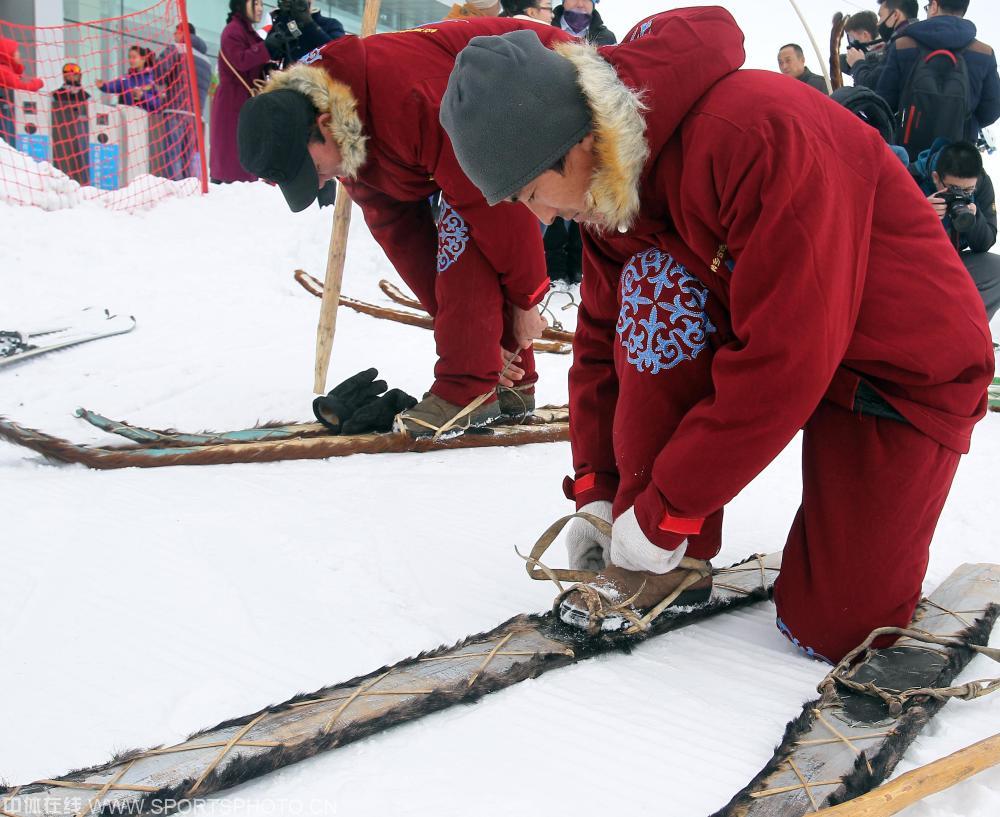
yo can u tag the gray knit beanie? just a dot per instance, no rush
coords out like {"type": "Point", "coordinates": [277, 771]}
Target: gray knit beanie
{"type": "Point", "coordinates": [512, 109]}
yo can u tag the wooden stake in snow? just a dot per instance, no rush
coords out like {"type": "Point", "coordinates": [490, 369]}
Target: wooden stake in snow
{"type": "Point", "coordinates": [338, 251]}
{"type": "Point", "coordinates": [815, 45]}
{"type": "Point", "coordinates": [913, 786]}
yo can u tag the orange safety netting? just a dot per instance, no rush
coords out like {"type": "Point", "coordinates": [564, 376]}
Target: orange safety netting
{"type": "Point", "coordinates": [113, 105]}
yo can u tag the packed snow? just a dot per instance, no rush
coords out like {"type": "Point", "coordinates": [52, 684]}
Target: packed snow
{"type": "Point", "coordinates": [142, 605]}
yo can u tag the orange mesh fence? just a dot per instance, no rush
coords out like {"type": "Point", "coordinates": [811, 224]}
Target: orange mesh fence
{"type": "Point", "coordinates": [107, 109]}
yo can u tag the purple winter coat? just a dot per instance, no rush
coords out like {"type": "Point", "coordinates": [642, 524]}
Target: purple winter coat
{"type": "Point", "coordinates": [245, 49]}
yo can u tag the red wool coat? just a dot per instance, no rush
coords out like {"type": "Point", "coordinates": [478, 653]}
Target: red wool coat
{"type": "Point", "coordinates": [246, 52]}
{"type": "Point", "coordinates": [12, 71]}
{"type": "Point", "coordinates": [398, 80]}
{"type": "Point", "coordinates": [833, 269]}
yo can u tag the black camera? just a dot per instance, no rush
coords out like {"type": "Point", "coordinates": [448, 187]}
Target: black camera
{"type": "Point", "coordinates": [293, 8]}
{"type": "Point", "coordinates": [863, 46]}
{"type": "Point", "coordinates": [958, 201]}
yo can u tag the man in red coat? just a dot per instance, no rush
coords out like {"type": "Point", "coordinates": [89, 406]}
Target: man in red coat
{"type": "Point", "coordinates": [366, 111]}
{"type": "Point", "coordinates": [744, 277]}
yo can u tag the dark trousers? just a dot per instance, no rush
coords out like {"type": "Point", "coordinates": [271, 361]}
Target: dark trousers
{"type": "Point", "coordinates": [563, 251]}
{"type": "Point", "coordinates": [472, 319]}
{"type": "Point", "coordinates": [984, 267]}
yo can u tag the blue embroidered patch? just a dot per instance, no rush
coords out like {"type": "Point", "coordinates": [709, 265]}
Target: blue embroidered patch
{"type": "Point", "coordinates": [311, 57]}
{"type": "Point", "coordinates": [453, 236]}
{"type": "Point", "coordinates": [641, 31]}
{"type": "Point", "coordinates": [662, 321]}
{"type": "Point", "coordinates": [808, 651]}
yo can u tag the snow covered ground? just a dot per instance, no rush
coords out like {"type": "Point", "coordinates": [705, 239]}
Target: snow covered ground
{"type": "Point", "coordinates": [141, 605]}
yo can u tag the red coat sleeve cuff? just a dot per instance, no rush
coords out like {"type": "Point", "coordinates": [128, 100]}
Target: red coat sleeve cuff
{"type": "Point", "coordinates": [531, 299]}
{"type": "Point", "coordinates": [663, 526]}
{"type": "Point", "coordinates": [591, 487]}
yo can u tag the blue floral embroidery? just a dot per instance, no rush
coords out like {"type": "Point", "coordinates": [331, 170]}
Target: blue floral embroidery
{"type": "Point", "coordinates": [809, 652]}
{"type": "Point", "coordinates": [662, 321]}
{"type": "Point", "coordinates": [453, 236]}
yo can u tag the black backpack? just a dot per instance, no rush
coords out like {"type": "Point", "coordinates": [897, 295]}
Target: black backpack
{"type": "Point", "coordinates": [868, 106]}
{"type": "Point", "coordinates": [934, 102]}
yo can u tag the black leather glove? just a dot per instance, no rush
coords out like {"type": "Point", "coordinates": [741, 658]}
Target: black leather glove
{"type": "Point", "coordinates": [344, 400]}
{"type": "Point", "coordinates": [379, 414]}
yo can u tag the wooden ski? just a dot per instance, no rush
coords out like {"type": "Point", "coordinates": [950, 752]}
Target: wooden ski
{"type": "Point", "coordinates": [315, 287]}
{"type": "Point", "coordinates": [161, 780]}
{"type": "Point", "coordinates": [544, 426]}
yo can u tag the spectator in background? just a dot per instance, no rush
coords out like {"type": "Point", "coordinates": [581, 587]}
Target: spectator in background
{"type": "Point", "coordinates": [580, 18]}
{"type": "Point", "coordinates": [538, 11]}
{"type": "Point", "coordinates": [71, 126]}
{"type": "Point", "coordinates": [563, 245]}
{"type": "Point", "coordinates": [138, 89]}
{"type": "Point", "coordinates": [953, 174]}
{"type": "Point", "coordinates": [474, 8]}
{"type": "Point", "coordinates": [945, 29]}
{"type": "Point", "coordinates": [297, 29]}
{"type": "Point", "coordinates": [243, 58]}
{"type": "Point", "coordinates": [894, 16]}
{"type": "Point", "coordinates": [865, 48]}
{"type": "Point", "coordinates": [138, 86]}
{"type": "Point", "coordinates": [792, 63]}
{"type": "Point", "coordinates": [11, 79]}
{"type": "Point", "coordinates": [179, 108]}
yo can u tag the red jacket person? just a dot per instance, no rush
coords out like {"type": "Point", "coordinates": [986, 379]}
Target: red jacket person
{"type": "Point", "coordinates": [744, 278]}
{"type": "Point", "coordinates": [366, 111]}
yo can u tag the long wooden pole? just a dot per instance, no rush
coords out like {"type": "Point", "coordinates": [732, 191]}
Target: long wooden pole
{"type": "Point", "coordinates": [907, 789]}
{"type": "Point", "coordinates": [819, 54]}
{"type": "Point", "coordinates": [338, 251]}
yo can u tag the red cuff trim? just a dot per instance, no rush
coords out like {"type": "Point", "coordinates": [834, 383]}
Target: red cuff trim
{"type": "Point", "coordinates": [584, 483]}
{"type": "Point", "coordinates": [680, 524]}
{"type": "Point", "coordinates": [536, 297]}
{"type": "Point", "coordinates": [573, 488]}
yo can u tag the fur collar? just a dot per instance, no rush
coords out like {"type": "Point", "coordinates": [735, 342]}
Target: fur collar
{"type": "Point", "coordinates": [335, 98]}
{"type": "Point", "coordinates": [619, 136]}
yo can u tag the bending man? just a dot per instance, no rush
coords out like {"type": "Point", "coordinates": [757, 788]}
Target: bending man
{"type": "Point", "coordinates": [744, 277]}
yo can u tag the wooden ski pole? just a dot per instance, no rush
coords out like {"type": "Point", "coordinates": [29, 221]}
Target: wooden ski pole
{"type": "Point", "coordinates": [911, 787]}
{"type": "Point", "coordinates": [338, 251]}
{"type": "Point", "coordinates": [815, 45]}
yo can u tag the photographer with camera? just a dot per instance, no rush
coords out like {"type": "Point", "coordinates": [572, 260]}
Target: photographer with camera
{"type": "Point", "coordinates": [962, 195]}
{"type": "Point", "coordinates": [869, 37]}
{"type": "Point", "coordinates": [865, 49]}
{"type": "Point", "coordinates": [296, 29]}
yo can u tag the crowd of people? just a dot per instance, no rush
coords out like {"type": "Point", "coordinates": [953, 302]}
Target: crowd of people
{"type": "Point", "coordinates": [154, 83]}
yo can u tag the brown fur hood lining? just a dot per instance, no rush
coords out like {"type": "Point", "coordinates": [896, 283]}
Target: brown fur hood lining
{"type": "Point", "coordinates": [619, 135]}
{"type": "Point", "coordinates": [335, 98]}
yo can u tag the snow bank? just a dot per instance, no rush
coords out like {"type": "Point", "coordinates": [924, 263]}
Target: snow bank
{"type": "Point", "coordinates": [25, 181]}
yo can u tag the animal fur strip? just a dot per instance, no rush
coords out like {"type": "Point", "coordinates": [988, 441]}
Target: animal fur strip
{"type": "Point", "coordinates": [244, 748]}
{"type": "Point", "coordinates": [536, 430]}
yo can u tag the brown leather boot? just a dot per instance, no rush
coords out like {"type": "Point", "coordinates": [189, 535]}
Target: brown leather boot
{"type": "Point", "coordinates": [617, 598]}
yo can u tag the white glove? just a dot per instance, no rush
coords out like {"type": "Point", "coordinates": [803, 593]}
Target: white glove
{"type": "Point", "coordinates": [586, 545]}
{"type": "Point", "coordinates": [631, 549]}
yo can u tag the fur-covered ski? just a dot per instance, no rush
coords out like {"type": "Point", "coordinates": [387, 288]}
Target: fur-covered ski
{"type": "Point", "coordinates": [269, 443]}
{"type": "Point", "coordinates": [836, 35]}
{"type": "Point", "coordinates": [149, 781]}
{"type": "Point", "coordinates": [315, 287]}
{"type": "Point", "coordinates": [394, 293]}
{"type": "Point", "coordinates": [87, 325]}
{"type": "Point", "coordinates": [846, 743]}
